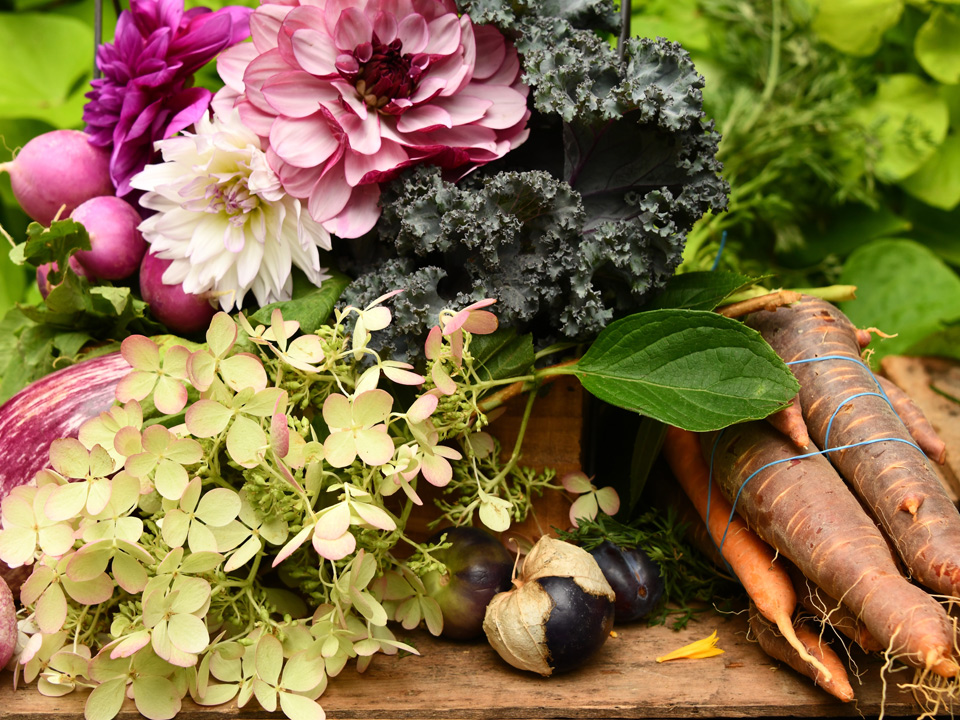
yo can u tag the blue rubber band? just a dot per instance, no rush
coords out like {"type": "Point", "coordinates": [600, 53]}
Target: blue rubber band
{"type": "Point", "coordinates": [825, 451]}
{"type": "Point", "coordinates": [723, 242]}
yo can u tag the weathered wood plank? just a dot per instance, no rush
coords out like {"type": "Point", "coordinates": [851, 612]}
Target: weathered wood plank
{"type": "Point", "coordinates": [455, 680]}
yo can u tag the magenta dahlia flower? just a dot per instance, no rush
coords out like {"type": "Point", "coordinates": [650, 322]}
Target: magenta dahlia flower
{"type": "Point", "coordinates": [346, 93]}
{"type": "Point", "coordinates": [146, 92]}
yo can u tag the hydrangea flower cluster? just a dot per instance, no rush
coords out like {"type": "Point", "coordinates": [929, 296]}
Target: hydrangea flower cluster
{"type": "Point", "coordinates": [147, 534]}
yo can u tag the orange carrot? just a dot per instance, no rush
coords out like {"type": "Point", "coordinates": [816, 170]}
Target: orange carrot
{"type": "Point", "coordinates": [804, 509]}
{"type": "Point", "coordinates": [896, 482]}
{"type": "Point", "coordinates": [776, 646]}
{"type": "Point", "coordinates": [752, 560]}
{"type": "Point", "coordinates": [917, 424]}
{"type": "Point", "coordinates": [831, 612]}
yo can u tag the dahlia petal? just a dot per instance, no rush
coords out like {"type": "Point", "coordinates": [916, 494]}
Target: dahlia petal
{"type": "Point", "coordinates": [303, 142]}
{"type": "Point", "coordinates": [385, 26]}
{"type": "Point", "coordinates": [444, 35]}
{"type": "Point", "coordinates": [265, 25]}
{"type": "Point", "coordinates": [359, 217]}
{"type": "Point", "coordinates": [352, 29]}
{"type": "Point", "coordinates": [424, 117]}
{"type": "Point", "coordinates": [469, 137]}
{"type": "Point", "coordinates": [232, 63]}
{"type": "Point", "coordinates": [197, 47]}
{"type": "Point", "coordinates": [509, 72]}
{"type": "Point", "coordinates": [357, 166]}
{"type": "Point", "coordinates": [297, 94]}
{"type": "Point", "coordinates": [429, 88]}
{"type": "Point", "coordinates": [240, 17]}
{"type": "Point", "coordinates": [188, 107]}
{"type": "Point", "coordinates": [363, 133]}
{"type": "Point", "coordinates": [233, 239]}
{"type": "Point", "coordinates": [463, 108]}
{"type": "Point", "coordinates": [413, 34]}
{"type": "Point", "coordinates": [507, 106]}
{"type": "Point", "coordinates": [255, 119]}
{"type": "Point", "coordinates": [491, 51]}
{"type": "Point", "coordinates": [257, 73]}
{"type": "Point", "coordinates": [298, 182]}
{"type": "Point", "coordinates": [329, 196]}
{"type": "Point", "coordinates": [314, 52]}
{"type": "Point", "coordinates": [207, 240]}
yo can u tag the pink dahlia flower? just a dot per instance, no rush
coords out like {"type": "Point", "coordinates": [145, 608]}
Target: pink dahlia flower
{"type": "Point", "coordinates": [347, 93]}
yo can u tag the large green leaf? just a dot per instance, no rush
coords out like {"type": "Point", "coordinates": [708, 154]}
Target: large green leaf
{"type": "Point", "coordinates": [936, 46]}
{"type": "Point", "coordinates": [855, 27]}
{"type": "Point", "coordinates": [693, 369]}
{"type": "Point", "coordinates": [310, 306]}
{"type": "Point", "coordinates": [937, 182]}
{"type": "Point", "coordinates": [903, 288]}
{"type": "Point", "coordinates": [700, 290]}
{"type": "Point", "coordinates": [46, 60]}
{"type": "Point", "coordinates": [909, 118]}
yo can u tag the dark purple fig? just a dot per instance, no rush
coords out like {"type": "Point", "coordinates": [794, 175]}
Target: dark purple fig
{"type": "Point", "coordinates": [634, 577]}
{"type": "Point", "coordinates": [478, 567]}
{"type": "Point", "coordinates": [559, 615]}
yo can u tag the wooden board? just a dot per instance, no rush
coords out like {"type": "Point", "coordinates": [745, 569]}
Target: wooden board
{"type": "Point", "coordinates": [469, 681]}
{"type": "Point", "coordinates": [920, 378]}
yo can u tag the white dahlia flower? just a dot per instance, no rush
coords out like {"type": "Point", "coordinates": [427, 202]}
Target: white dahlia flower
{"type": "Point", "coordinates": [224, 219]}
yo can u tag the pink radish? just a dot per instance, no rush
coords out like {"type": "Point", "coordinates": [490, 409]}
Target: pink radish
{"type": "Point", "coordinates": [43, 275]}
{"type": "Point", "coordinates": [116, 245]}
{"type": "Point", "coordinates": [56, 169]}
{"type": "Point", "coordinates": [181, 312]}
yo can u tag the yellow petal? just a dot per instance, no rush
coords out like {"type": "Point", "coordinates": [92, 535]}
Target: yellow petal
{"type": "Point", "coordinates": [700, 649]}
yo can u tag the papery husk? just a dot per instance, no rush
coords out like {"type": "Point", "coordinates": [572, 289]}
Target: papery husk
{"type": "Point", "coordinates": [515, 620]}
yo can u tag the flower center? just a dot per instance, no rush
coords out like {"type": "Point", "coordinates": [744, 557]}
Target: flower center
{"type": "Point", "coordinates": [231, 198]}
{"type": "Point", "coordinates": [380, 72]}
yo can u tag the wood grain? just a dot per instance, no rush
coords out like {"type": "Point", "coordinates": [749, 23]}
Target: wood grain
{"type": "Point", "coordinates": [455, 680]}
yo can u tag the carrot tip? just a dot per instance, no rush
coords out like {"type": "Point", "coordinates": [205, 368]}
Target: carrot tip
{"type": "Point", "coordinates": [911, 504]}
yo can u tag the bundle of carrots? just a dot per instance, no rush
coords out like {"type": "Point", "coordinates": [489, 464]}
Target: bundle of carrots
{"type": "Point", "coordinates": [838, 508]}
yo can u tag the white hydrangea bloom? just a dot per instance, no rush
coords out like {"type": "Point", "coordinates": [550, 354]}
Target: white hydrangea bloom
{"type": "Point", "coordinates": [223, 218]}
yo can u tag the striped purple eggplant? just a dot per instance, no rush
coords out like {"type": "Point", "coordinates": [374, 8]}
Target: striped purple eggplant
{"type": "Point", "coordinates": [53, 407]}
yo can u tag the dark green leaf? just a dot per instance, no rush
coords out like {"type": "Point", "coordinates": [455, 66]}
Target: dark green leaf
{"type": "Point", "coordinates": [615, 164]}
{"type": "Point", "coordinates": [700, 290]}
{"type": "Point", "coordinates": [53, 244]}
{"type": "Point", "coordinates": [696, 370]}
{"type": "Point", "coordinates": [502, 354]}
{"type": "Point", "coordinates": [70, 343]}
{"type": "Point", "coordinates": [311, 306]}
